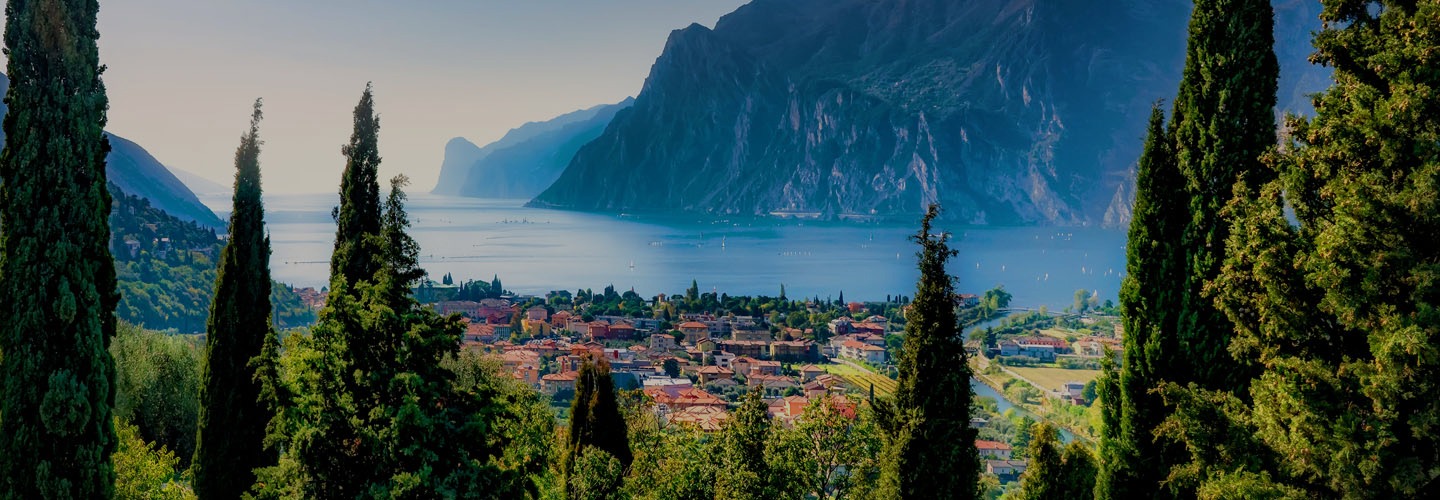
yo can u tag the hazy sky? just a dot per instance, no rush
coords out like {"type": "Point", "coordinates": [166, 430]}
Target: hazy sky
{"type": "Point", "coordinates": [183, 74]}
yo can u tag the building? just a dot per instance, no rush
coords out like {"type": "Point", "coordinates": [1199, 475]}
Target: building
{"type": "Point", "coordinates": [556, 382]}
{"type": "Point", "coordinates": [750, 333]}
{"type": "Point", "coordinates": [537, 313]}
{"type": "Point", "coordinates": [712, 373]}
{"type": "Point", "coordinates": [1074, 392]}
{"type": "Point", "coordinates": [623, 331]}
{"type": "Point", "coordinates": [662, 342]}
{"type": "Point", "coordinates": [862, 352]}
{"type": "Point", "coordinates": [560, 319]}
{"type": "Point", "coordinates": [1006, 470]}
{"type": "Point", "coordinates": [809, 372]}
{"type": "Point", "coordinates": [751, 348]}
{"type": "Point", "coordinates": [469, 309]}
{"type": "Point", "coordinates": [993, 449]}
{"type": "Point", "coordinates": [694, 331]}
{"type": "Point", "coordinates": [705, 418]}
{"type": "Point", "coordinates": [794, 351]}
{"type": "Point", "coordinates": [686, 397]}
{"type": "Point", "coordinates": [598, 329]}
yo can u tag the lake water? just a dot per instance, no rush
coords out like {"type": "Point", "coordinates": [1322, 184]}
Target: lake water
{"type": "Point", "coordinates": [537, 250]}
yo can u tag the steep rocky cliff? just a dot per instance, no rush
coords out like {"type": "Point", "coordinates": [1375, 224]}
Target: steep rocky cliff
{"type": "Point", "coordinates": [526, 160]}
{"type": "Point", "coordinates": [1005, 111]}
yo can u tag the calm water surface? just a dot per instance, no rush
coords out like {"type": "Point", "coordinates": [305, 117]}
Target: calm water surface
{"type": "Point", "coordinates": [537, 250]}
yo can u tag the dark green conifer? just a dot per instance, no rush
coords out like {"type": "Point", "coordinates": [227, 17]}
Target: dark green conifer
{"type": "Point", "coordinates": [595, 419]}
{"type": "Point", "coordinates": [231, 432]}
{"type": "Point", "coordinates": [1056, 472]}
{"type": "Point", "coordinates": [359, 212]}
{"type": "Point", "coordinates": [1340, 305]}
{"type": "Point", "coordinates": [743, 473]}
{"type": "Point", "coordinates": [1224, 120]}
{"type": "Point", "coordinates": [57, 278]}
{"type": "Point", "coordinates": [1133, 463]}
{"type": "Point", "coordinates": [930, 446]}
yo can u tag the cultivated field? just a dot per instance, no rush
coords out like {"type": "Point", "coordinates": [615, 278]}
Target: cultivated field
{"type": "Point", "coordinates": [1052, 379]}
{"type": "Point", "coordinates": [861, 379]}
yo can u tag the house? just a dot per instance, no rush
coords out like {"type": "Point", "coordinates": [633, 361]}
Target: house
{"type": "Point", "coordinates": [709, 374]}
{"type": "Point", "coordinates": [556, 382]}
{"type": "Point", "coordinates": [809, 372]}
{"type": "Point", "coordinates": [1006, 470]}
{"type": "Point", "coordinates": [750, 333]}
{"type": "Point", "coordinates": [469, 309]}
{"type": "Point", "coordinates": [862, 352]}
{"type": "Point", "coordinates": [705, 418]}
{"type": "Point", "coordinates": [878, 320]}
{"type": "Point", "coordinates": [794, 351]}
{"type": "Point", "coordinates": [790, 408]}
{"type": "Point", "coordinates": [841, 325]}
{"type": "Point", "coordinates": [813, 389]}
{"type": "Point", "coordinates": [623, 331]}
{"type": "Point", "coordinates": [752, 348]}
{"type": "Point", "coordinates": [1042, 352]}
{"type": "Point", "coordinates": [993, 449]}
{"type": "Point", "coordinates": [560, 319]}
{"type": "Point", "coordinates": [687, 397]}
{"type": "Point", "coordinates": [598, 329]}
{"type": "Point", "coordinates": [662, 342]}
{"type": "Point", "coordinates": [968, 300]}
{"type": "Point", "coordinates": [1009, 348]}
{"type": "Point", "coordinates": [535, 328]}
{"type": "Point", "coordinates": [1074, 392]}
{"type": "Point", "coordinates": [537, 313]}
{"type": "Point", "coordinates": [772, 384]}
{"type": "Point", "coordinates": [694, 331]}
{"type": "Point", "coordinates": [868, 329]}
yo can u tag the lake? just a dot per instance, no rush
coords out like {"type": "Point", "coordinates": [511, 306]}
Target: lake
{"type": "Point", "coordinates": [538, 250]}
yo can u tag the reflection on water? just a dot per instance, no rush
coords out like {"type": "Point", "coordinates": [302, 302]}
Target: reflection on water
{"type": "Point", "coordinates": [536, 250]}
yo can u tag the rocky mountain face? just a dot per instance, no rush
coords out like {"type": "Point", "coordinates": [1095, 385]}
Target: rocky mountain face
{"type": "Point", "coordinates": [1004, 111]}
{"type": "Point", "coordinates": [526, 160]}
{"type": "Point", "coordinates": [132, 169]}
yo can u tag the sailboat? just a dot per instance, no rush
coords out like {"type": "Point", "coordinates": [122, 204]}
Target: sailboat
{"type": "Point", "coordinates": [632, 265]}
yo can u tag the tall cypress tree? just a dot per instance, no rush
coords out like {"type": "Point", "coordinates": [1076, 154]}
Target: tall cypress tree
{"type": "Point", "coordinates": [1224, 121]}
{"type": "Point", "coordinates": [231, 435]}
{"type": "Point", "coordinates": [1341, 305]}
{"type": "Point", "coordinates": [1133, 463]}
{"type": "Point", "coordinates": [930, 446]}
{"type": "Point", "coordinates": [359, 212]}
{"type": "Point", "coordinates": [595, 419]}
{"type": "Point", "coordinates": [57, 279]}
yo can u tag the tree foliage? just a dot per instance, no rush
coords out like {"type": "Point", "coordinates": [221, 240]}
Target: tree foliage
{"type": "Point", "coordinates": [744, 473]}
{"type": "Point", "coordinates": [929, 444]}
{"type": "Point", "coordinates": [57, 278]}
{"type": "Point", "coordinates": [1338, 305]}
{"type": "Point", "coordinates": [595, 422]}
{"type": "Point", "coordinates": [230, 440]}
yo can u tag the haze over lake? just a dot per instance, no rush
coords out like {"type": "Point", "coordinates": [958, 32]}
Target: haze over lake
{"type": "Point", "coordinates": [537, 250]}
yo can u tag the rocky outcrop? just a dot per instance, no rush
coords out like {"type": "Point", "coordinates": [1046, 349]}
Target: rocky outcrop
{"type": "Point", "coordinates": [1004, 111]}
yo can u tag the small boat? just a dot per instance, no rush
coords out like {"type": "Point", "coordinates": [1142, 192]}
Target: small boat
{"type": "Point", "coordinates": [632, 265]}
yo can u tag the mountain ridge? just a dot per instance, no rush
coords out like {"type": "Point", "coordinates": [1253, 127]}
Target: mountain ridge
{"type": "Point", "coordinates": [1006, 112]}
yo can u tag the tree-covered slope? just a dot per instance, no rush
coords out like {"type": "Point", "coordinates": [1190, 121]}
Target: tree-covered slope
{"type": "Point", "coordinates": [1005, 111]}
{"type": "Point", "coordinates": [138, 173]}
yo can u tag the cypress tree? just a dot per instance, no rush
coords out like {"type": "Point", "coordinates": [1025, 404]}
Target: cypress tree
{"type": "Point", "coordinates": [743, 472]}
{"type": "Point", "coordinates": [233, 416]}
{"type": "Point", "coordinates": [359, 212]}
{"type": "Point", "coordinates": [595, 419]}
{"type": "Point", "coordinates": [1339, 306]}
{"type": "Point", "coordinates": [930, 446]}
{"type": "Point", "coordinates": [57, 278]}
{"type": "Point", "coordinates": [1224, 121]}
{"type": "Point", "coordinates": [1134, 463]}
{"type": "Point", "coordinates": [1057, 472]}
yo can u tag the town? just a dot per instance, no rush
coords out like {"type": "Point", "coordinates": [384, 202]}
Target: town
{"type": "Point", "coordinates": [695, 355]}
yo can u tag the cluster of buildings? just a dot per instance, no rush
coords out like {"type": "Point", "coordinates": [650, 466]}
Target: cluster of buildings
{"type": "Point", "coordinates": [1047, 349]}
{"type": "Point", "coordinates": [998, 461]}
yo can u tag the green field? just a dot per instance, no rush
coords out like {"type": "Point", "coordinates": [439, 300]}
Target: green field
{"type": "Point", "coordinates": [862, 379]}
{"type": "Point", "coordinates": [1053, 379]}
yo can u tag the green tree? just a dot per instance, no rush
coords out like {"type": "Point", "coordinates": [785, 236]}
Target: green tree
{"type": "Point", "coordinates": [230, 441]}
{"type": "Point", "coordinates": [743, 471]}
{"type": "Point", "coordinates": [595, 422]}
{"type": "Point", "coordinates": [1224, 120]}
{"type": "Point", "coordinates": [143, 470]}
{"type": "Point", "coordinates": [359, 212]}
{"type": "Point", "coordinates": [930, 451]}
{"type": "Point", "coordinates": [829, 453]}
{"type": "Point", "coordinates": [1079, 471]}
{"type": "Point", "coordinates": [1338, 306]}
{"type": "Point", "coordinates": [1133, 463]}
{"type": "Point", "coordinates": [1045, 468]}
{"type": "Point", "coordinates": [57, 277]}
{"type": "Point", "coordinates": [157, 384]}
{"type": "Point", "coordinates": [672, 367]}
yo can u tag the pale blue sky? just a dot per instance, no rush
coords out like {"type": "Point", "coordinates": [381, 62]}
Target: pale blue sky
{"type": "Point", "coordinates": [182, 74]}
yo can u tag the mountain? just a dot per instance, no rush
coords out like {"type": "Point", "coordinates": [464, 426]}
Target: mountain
{"type": "Point", "coordinates": [201, 186]}
{"type": "Point", "coordinates": [1004, 111]}
{"type": "Point", "coordinates": [526, 160]}
{"type": "Point", "coordinates": [136, 172]}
